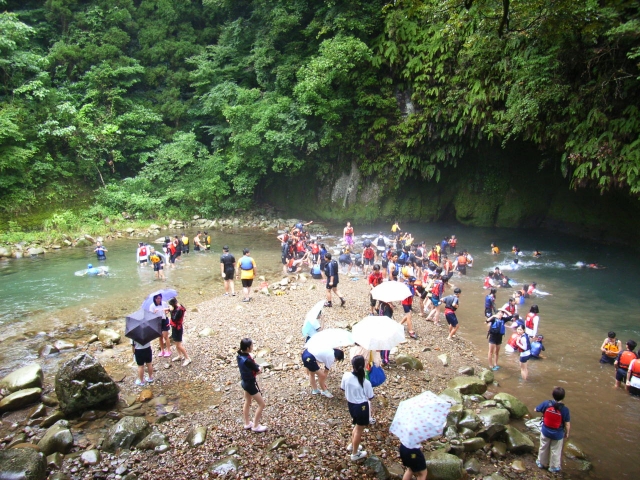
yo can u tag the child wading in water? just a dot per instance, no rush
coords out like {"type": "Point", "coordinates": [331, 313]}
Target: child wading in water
{"type": "Point", "coordinates": [248, 371]}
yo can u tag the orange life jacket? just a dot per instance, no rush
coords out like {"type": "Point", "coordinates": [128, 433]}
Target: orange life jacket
{"type": "Point", "coordinates": [635, 370]}
{"type": "Point", "coordinates": [349, 231]}
{"type": "Point", "coordinates": [625, 360]}
{"type": "Point", "coordinates": [512, 341]}
{"type": "Point", "coordinates": [462, 260]}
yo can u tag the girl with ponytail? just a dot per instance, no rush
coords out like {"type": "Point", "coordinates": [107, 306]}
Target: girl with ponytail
{"type": "Point", "coordinates": [358, 391]}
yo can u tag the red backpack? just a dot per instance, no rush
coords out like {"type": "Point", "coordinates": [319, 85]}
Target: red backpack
{"type": "Point", "coordinates": [552, 417]}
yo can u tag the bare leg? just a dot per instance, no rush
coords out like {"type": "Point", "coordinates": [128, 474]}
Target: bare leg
{"type": "Point", "coordinates": [312, 379]}
{"type": "Point", "coordinates": [167, 342]}
{"type": "Point", "coordinates": [181, 351]}
{"type": "Point", "coordinates": [256, 418]}
{"type": "Point", "coordinates": [246, 408]}
{"type": "Point", "coordinates": [524, 371]}
{"type": "Point", "coordinates": [497, 354]}
{"type": "Point", "coordinates": [322, 378]}
{"type": "Point", "coordinates": [356, 437]}
{"type": "Point", "coordinates": [141, 373]}
{"type": "Point", "coordinates": [150, 369]}
{"type": "Point", "coordinates": [491, 348]}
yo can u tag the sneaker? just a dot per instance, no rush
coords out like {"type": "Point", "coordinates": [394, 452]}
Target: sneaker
{"type": "Point", "coordinates": [413, 335]}
{"type": "Point", "coordinates": [357, 456]}
{"type": "Point", "coordinates": [539, 464]}
{"type": "Point", "coordinates": [342, 302]}
{"type": "Point", "coordinates": [225, 295]}
{"type": "Point", "coordinates": [248, 426]}
{"type": "Point", "coordinates": [350, 447]}
{"type": "Point", "coordinates": [139, 383]}
{"type": "Point", "coordinates": [259, 429]}
{"type": "Point", "coordinates": [372, 421]}
{"type": "Point", "coordinates": [315, 392]}
{"type": "Point", "coordinates": [327, 393]}
{"type": "Point", "coordinates": [245, 299]}
{"type": "Point", "coordinates": [168, 353]}
{"type": "Point", "coordinates": [495, 368]}
{"type": "Point", "coordinates": [186, 362]}
{"type": "Point", "coordinates": [328, 304]}
{"type": "Point", "coordinates": [177, 359]}
{"type": "Point", "coordinates": [554, 470]}
{"type": "Point", "coordinates": [150, 380]}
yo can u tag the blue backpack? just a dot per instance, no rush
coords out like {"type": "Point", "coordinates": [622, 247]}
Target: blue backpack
{"type": "Point", "coordinates": [497, 327]}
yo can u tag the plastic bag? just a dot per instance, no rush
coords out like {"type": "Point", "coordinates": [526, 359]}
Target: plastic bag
{"type": "Point", "coordinates": [377, 376]}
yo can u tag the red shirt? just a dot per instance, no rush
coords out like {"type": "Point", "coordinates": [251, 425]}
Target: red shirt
{"type": "Point", "coordinates": [375, 279]}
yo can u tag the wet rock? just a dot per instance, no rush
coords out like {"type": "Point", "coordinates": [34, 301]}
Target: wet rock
{"type": "Point", "coordinates": [47, 350]}
{"type": "Point", "coordinates": [473, 444]}
{"type": "Point", "coordinates": [454, 415]}
{"type": "Point", "coordinates": [451, 432]}
{"type": "Point", "coordinates": [145, 395]}
{"type": "Point", "coordinates": [517, 442]}
{"type": "Point", "coordinates": [375, 463]}
{"type": "Point", "coordinates": [409, 362]}
{"type": "Point", "coordinates": [153, 440]}
{"type": "Point", "coordinates": [396, 471]}
{"type": "Point", "coordinates": [516, 408]}
{"type": "Point", "coordinates": [105, 335]}
{"type": "Point", "coordinates": [197, 436]}
{"type": "Point", "coordinates": [585, 466]}
{"type": "Point", "coordinates": [487, 376]}
{"type": "Point", "coordinates": [17, 439]}
{"type": "Point", "coordinates": [36, 251]}
{"type": "Point", "coordinates": [22, 464]}
{"type": "Point", "coordinates": [224, 466]}
{"type": "Point", "coordinates": [90, 239]}
{"type": "Point", "coordinates": [443, 466]}
{"type": "Point", "coordinates": [469, 420]}
{"type": "Point", "coordinates": [279, 442]}
{"type": "Point", "coordinates": [92, 339]}
{"type": "Point", "coordinates": [488, 404]}
{"type": "Point", "coordinates": [38, 411]}
{"type": "Point", "coordinates": [499, 449]}
{"type": "Point", "coordinates": [571, 449]}
{"type": "Point", "coordinates": [466, 371]}
{"type": "Point", "coordinates": [20, 399]}
{"type": "Point", "coordinates": [58, 438]}
{"type": "Point", "coordinates": [82, 383]}
{"type": "Point", "coordinates": [472, 466]}
{"type": "Point", "coordinates": [167, 418]}
{"type": "Point", "coordinates": [444, 358]}
{"type": "Point", "coordinates": [493, 416]}
{"type": "Point", "coordinates": [518, 466]}
{"type": "Point", "coordinates": [26, 445]}
{"type": "Point", "coordinates": [468, 385]}
{"type": "Point", "coordinates": [90, 457]}
{"type": "Point", "coordinates": [466, 432]}
{"type": "Point", "coordinates": [55, 461]}
{"type": "Point", "coordinates": [64, 345]}
{"type": "Point", "coordinates": [51, 419]}
{"type": "Point", "coordinates": [206, 332]}
{"type": "Point", "coordinates": [494, 476]}
{"type": "Point", "coordinates": [50, 400]}
{"type": "Point", "coordinates": [534, 424]}
{"type": "Point", "coordinates": [474, 398]}
{"type": "Point", "coordinates": [126, 433]}
{"type": "Point", "coordinates": [452, 396]}
{"type": "Point", "coordinates": [29, 376]}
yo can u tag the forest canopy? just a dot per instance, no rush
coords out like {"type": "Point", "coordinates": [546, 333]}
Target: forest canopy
{"type": "Point", "coordinates": [159, 105]}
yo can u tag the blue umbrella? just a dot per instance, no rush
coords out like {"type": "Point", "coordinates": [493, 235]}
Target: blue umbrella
{"type": "Point", "coordinates": [167, 294]}
{"type": "Point", "coordinates": [143, 327]}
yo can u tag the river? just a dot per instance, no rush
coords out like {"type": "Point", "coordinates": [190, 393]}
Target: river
{"type": "Point", "coordinates": [46, 301]}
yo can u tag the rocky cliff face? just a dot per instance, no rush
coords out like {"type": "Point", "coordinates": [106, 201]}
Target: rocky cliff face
{"type": "Point", "coordinates": [492, 187]}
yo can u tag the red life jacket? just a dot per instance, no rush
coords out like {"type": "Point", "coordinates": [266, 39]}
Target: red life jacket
{"type": "Point", "coordinates": [435, 289]}
{"type": "Point", "coordinates": [172, 248]}
{"type": "Point", "coordinates": [143, 251]}
{"type": "Point", "coordinates": [175, 322]}
{"type": "Point", "coordinates": [300, 246]}
{"type": "Point", "coordinates": [552, 417]}
{"type": "Point", "coordinates": [375, 280]}
{"type": "Point", "coordinates": [349, 231]}
{"type": "Point", "coordinates": [453, 242]}
{"type": "Point", "coordinates": [433, 256]}
{"type": "Point", "coordinates": [512, 341]}
{"type": "Point", "coordinates": [315, 249]}
{"type": "Point", "coordinates": [635, 370]}
{"type": "Point", "coordinates": [511, 309]}
{"type": "Point", "coordinates": [528, 323]}
{"type": "Point", "coordinates": [369, 253]}
{"type": "Point", "coordinates": [625, 359]}
{"type": "Point", "coordinates": [487, 282]}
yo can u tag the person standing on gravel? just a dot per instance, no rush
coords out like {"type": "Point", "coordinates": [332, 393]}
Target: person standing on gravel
{"type": "Point", "coordinates": [248, 372]}
{"type": "Point", "coordinates": [227, 269]}
{"type": "Point", "coordinates": [358, 392]}
{"type": "Point", "coordinates": [331, 272]}
{"type": "Point", "coordinates": [247, 272]}
{"type": "Point", "coordinates": [177, 330]}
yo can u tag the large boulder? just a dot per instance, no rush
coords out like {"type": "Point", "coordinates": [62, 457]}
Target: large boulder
{"type": "Point", "coordinates": [468, 385]}
{"type": "Point", "coordinates": [379, 468]}
{"type": "Point", "coordinates": [5, 252]}
{"type": "Point", "coordinates": [452, 396]}
{"type": "Point", "coordinates": [409, 362]}
{"type": "Point", "coordinates": [22, 464]}
{"type": "Point", "coordinates": [58, 438]}
{"type": "Point", "coordinates": [516, 408]}
{"type": "Point", "coordinates": [153, 440]}
{"type": "Point", "coordinates": [36, 251]}
{"type": "Point", "coordinates": [493, 416]}
{"type": "Point", "coordinates": [443, 466]}
{"type": "Point", "coordinates": [473, 444]}
{"type": "Point", "coordinates": [20, 399]}
{"type": "Point", "coordinates": [26, 377]}
{"type": "Point", "coordinates": [83, 384]}
{"type": "Point", "coordinates": [197, 436]}
{"type": "Point", "coordinates": [517, 442]}
{"type": "Point", "coordinates": [106, 335]}
{"type": "Point", "coordinates": [469, 420]}
{"type": "Point", "coordinates": [128, 432]}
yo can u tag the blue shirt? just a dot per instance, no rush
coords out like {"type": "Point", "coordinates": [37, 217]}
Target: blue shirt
{"type": "Point", "coordinates": [554, 433]}
{"type": "Point", "coordinates": [331, 270]}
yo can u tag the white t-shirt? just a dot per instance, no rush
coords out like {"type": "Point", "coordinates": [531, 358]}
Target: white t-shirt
{"type": "Point", "coordinates": [325, 356]}
{"type": "Point", "coordinates": [159, 309]}
{"type": "Point", "coordinates": [353, 391]}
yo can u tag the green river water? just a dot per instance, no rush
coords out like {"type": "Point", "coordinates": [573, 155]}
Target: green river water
{"type": "Point", "coordinates": [45, 301]}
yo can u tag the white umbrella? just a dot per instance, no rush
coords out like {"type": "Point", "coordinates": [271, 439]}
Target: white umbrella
{"type": "Point", "coordinates": [391, 292]}
{"type": "Point", "coordinates": [419, 418]}
{"type": "Point", "coordinates": [315, 311]}
{"type": "Point", "coordinates": [311, 323]}
{"type": "Point", "coordinates": [328, 339]}
{"type": "Point", "coordinates": [378, 333]}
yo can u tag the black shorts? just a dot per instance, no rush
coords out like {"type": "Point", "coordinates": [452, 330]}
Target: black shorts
{"type": "Point", "coordinates": [525, 359]}
{"type": "Point", "coordinates": [406, 308]}
{"type": "Point", "coordinates": [488, 312]}
{"type": "Point", "coordinates": [413, 458]}
{"type": "Point", "coordinates": [228, 274]}
{"type": "Point", "coordinates": [621, 375]}
{"type": "Point", "coordinates": [165, 325]}
{"type": "Point", "coordinates": [359, 413]}
{"type": "Point", "coordinates": [250, 387]}
{"type": "Point", "coordinates": [495, 339]}
{"type": "Point", "coordinates": [142, 260]}
{"type": "Point", "coordinates": [462, 269]}
{"type": "Point", "coordinates": [372, 301]}
{"type": "Point", "coordinates": [157, 267]}
{"type": "Point", "coordinates": [172, 258]}
{"type": "Point", "coordinates": [185, 249]}
{"type": "Point", "coordinates": [368, 261]}
{"type": "Point", "coordinates": [606, 359]}
{"type": "Point", "coordinates": [143, 355]}
{"type": "Point", "coordinates": [176, 334]}
{"type": "Point", "coordinates": [451, 319]}
{"type": "Point", "coordinates": [310, 362]}
{"type": "Point", "coordinates": [335, 285]}
{"type": "Point", "coordinates": [247, 282]}
{"type": "Point", "coordinates": [385, 264]}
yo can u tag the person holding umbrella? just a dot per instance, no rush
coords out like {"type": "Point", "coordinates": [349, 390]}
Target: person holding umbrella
{"type": "Point", "coordinates": [358, 392]}
{"type": "Point", "coordinates": [160, 308]}
{"type": "Point", "coordinates": [177, 329]}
